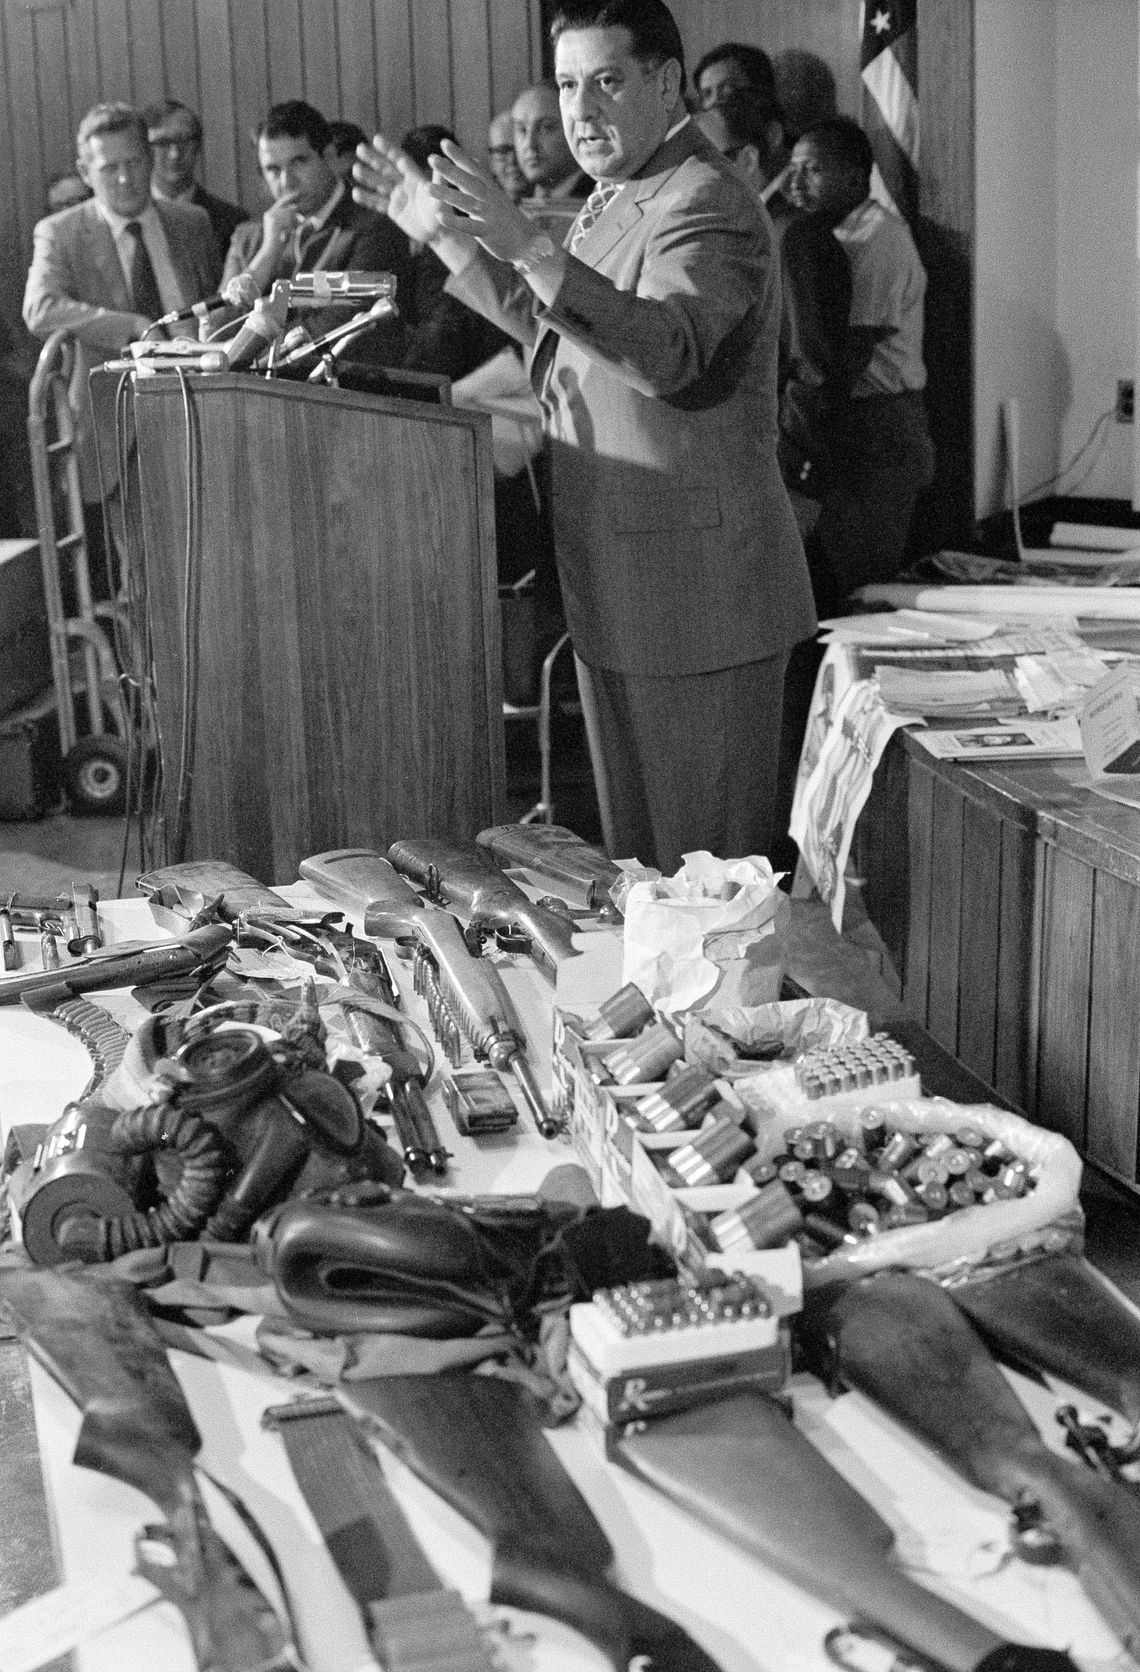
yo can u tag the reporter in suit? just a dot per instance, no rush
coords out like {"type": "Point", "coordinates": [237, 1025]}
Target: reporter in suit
{"type": "Point", "coordinates": [653, 337]}
{"type": "Point", "coordinates": [312, 221]}
{"type": "Point", "coordinates": [106, 268]}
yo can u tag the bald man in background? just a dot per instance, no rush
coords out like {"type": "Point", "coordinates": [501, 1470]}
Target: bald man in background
{"type": "Point", "coordinates": [552, 176]}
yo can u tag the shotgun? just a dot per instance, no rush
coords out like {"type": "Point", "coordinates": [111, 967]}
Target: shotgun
{"type": "Point", "coordinates": [478, 1442]}
{"type": "Point", "coordinates": [741, 1465]}
{"type": "Point", "coordinates": [374, 894]}
{"type": "Point", "coordinates": [464, 876]}
{"type": "Point", "coordinates": [96, 1340]}
{"type": "Point", "coordinates": [902, 1341]}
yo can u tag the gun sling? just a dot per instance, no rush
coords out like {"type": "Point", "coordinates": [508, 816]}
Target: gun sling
{"type": "Point", "coordinates": [412, 1619]}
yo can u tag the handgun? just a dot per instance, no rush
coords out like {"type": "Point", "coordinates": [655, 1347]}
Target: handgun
{"type": "Point", "coordinates": [375, 896]}
{"type": "Point", "coordinates": [127, 964]}
{"type": "Point", "coordinates": [558, 856]}
{"type": "Point", "coordinates": [464, 876]}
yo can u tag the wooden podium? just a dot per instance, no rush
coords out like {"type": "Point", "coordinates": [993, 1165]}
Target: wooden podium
{"type": "Point", "coordinates": [334, 632]}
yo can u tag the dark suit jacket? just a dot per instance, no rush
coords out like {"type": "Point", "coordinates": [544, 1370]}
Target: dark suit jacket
{"type": "Point", "coordinates": [656, 368]}
{"type": "Point", "coordinates": [351, 237]}
{"type": "Point", "coordinates": [225, 218]}
{"type": "Point", "coordinates": [76, 284]}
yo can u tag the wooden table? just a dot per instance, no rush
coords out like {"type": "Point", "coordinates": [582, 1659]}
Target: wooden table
{"type": "Point", "coordinates": [1009, 900]}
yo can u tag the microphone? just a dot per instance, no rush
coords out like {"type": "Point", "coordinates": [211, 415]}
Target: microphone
{"type": "Point", "coordinates": [262, 326]}
{"type": "Point", "coordinates": [382, 308]}
{"type": "Point", "coordinates": [240, 292]}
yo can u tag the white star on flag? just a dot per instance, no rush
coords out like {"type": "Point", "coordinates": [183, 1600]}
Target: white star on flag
{"type": "Point", "coordinates": [881, 22]}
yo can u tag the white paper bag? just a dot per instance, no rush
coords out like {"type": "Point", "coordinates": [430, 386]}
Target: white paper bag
{"type": "Point", "coordinates": [712, 933]}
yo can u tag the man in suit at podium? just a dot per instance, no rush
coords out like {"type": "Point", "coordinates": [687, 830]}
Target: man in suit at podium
{"type": "Point", "coordinates": [106, 268]}
{"type": "Point", "coordinates": [653, 334]}
{"type": "Point", "coordinates": [312, 222]}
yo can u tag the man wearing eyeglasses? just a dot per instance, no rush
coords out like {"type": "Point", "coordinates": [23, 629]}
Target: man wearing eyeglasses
{"type": "Point", "coordinates": [175, 133]}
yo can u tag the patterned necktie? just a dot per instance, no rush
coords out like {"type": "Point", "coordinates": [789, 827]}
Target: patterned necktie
{"type": "Point", "coordinates": [145, 297]}
{"type": "Point", "coordinates": [592, 210]}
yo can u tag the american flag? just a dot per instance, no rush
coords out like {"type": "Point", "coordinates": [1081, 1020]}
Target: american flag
{"type": "Point", "coordinates": [889, 66]}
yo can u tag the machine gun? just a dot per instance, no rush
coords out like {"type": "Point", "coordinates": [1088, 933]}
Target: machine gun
{"type": "Point", "coordinates": [96, 1340]}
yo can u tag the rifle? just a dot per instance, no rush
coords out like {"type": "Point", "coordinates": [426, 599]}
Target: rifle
{"type": "Point", "coordinates": [464, 876]}
{"type": "Point", "coordinates": [128, 964]}
{"type": "Point", "coordinates": [742, 1466]}
{"type": "Point", "coordinates": [558, 856]}
{"type": "Point", "coordinates": [96, 1340]}
{"type": "Point", "coordinates": [478, 1442]}
{"type": "Point", "coordinates": [373, 893]}
{"type": "Point", "coordinates": [1059, 1314]}
{"type": "Point", "coordinates": [902, 1341]}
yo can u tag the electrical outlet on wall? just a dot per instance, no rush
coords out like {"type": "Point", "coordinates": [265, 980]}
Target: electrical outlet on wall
{"type": "Point", "coordinates": [1125, 400]}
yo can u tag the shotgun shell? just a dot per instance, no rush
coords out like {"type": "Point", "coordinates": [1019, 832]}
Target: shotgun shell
{"type": "Point", "coordinates": [714, 1154]}
{"type": "Point", "coordinates": [970, 1137]}
{"type": "Point", "coordinates": [766, 1220]}
{"type": "Point", "coordinates": [896, 1152]}
{"type": "Point", "coordinates": [905, 1213]}
{"type": "Point", "coordinates": [934, 1196]}
{"type": "Point", "coordinates": [826, 1231]}
{"type": "Point", "coordinates": [961, 1195]}
{"type": "Point", "coordinates": [679, 1101]}
{"type": "Point", "coordinates": [622, 1015]}
{"type": "Point", "coordinates": [761, 1172]}
{"type": "Point", "coordinates": [792, 1173]}
{"type": "Point", "coordinates": [816, 1189]}
{"type": "Point", "coordinates": [645, 1058]}
{"type": "Point", "coordinates": [864, 1218]}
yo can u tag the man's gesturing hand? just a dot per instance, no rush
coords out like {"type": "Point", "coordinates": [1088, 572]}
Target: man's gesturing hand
{"type": "Point", "coordinates": [475, 204]}
{"type": "Point", "coordinates": [388, 181]}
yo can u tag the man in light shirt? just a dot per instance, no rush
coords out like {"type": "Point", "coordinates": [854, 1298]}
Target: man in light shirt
{"type": "Point", "coordinates": [108, 267]}
{"type": "Point", "coordinates": [884, 459]}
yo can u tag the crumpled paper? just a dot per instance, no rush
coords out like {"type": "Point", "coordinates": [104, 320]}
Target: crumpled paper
{"type": "Point", "coordinates": [715, 930]}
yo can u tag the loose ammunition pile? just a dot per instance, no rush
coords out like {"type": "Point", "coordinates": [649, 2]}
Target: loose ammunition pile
{"type": "Point", "coordinates": [832, 1186]}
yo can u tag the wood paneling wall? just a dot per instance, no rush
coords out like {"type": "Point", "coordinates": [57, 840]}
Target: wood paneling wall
{"type": "Point", "coordinates": [382, 63]}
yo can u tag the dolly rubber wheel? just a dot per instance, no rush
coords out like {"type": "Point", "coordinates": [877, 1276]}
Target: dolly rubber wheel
{"type": "Point", "coordinates": [95, 775]}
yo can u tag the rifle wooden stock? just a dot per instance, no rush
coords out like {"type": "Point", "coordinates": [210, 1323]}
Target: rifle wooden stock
{"type": "Point", "coordinates": [95, 1339]}
{"type": "Point", "coordinates": [1059, 1314]}
{"type": "Point", "coordinates": [468, 879]}
{"type": "Point", "coordinates": [902, 1341]}
{"type": "Point", "coordinates": [742, 1466]}
{"type": "Point", "coordinates": [555, 854]}
{"type": "Point", "coordinates": [477, 1441]}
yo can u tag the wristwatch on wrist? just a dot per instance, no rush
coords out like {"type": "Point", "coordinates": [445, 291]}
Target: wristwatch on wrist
{"type": "Point", "coordinates": [540, 249]}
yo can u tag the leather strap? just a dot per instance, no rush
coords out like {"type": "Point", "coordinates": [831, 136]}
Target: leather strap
{"type": "Point", "coordinates": [413, 1620]}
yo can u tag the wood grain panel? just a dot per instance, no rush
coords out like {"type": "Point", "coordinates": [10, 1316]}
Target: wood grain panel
{"type": "Point", "coordinates": [283, 50]}
{"type": "Point", "coordinates": [395, 111]}
{"type": "Point", "coordinates": [357, 62]}
{"type": "Point", "coordinates": [349, 687]}
{"type": "Point", "coordinates": [945, 914]}
{"type": "Point", "coordinates": [515, 36]}
{"type": "Point", "coordinates": [471, 73]}
{"type": "Point", "coordinates": [113, 35]}
{"type": "Point", "coordinates": [920, 845]}
{"type": "Point", "coordinates": [1017, 997]}
{"type": "Point", "coordinates": [148, 75]}
{"type": "Point", "coordinates": [432, 48]}
{"type": "Point", "coordinates": [981, 922]}
{"type": "Point", "coordinates": [1062, 1058]}
{"type": "Point", "coordinates": [828, 30]}
{"type": "Point", "coordinates": [180, 64]}
{"type": "Point", "coordinates": [320, 59]}
{"type": "Point", "coordinates": [52, 91]}
{"type": "Point", "coordinates": [250, 69]}
{"type": "Point", "coordinates": [83, 72]}
{"type": "Point", "coordinates": [216, 27]}
{"type": "Point", "coordinates": [1114, 1038]}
